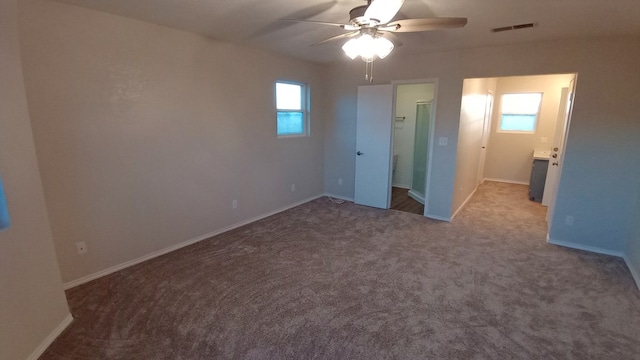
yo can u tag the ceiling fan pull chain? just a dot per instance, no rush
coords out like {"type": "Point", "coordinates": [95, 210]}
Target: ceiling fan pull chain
{"type": "Point", "coordinates": [366, 71]}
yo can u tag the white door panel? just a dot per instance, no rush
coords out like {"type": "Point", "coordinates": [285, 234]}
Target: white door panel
{"type": "Point", "coordinates": [373, 144]}
{"type": "Point", "coordinates": [557, 152]}
{"type": "Point", "coordinates": [486, 129]}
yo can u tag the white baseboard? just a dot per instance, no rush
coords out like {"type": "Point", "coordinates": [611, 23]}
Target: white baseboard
{"type": "Point", "coordinates": [169, 249]}
{"type": "Point", "coordinates": [402, 186]}
{"type": "Point", "coordinates": [507, 181]}
{"type": "Point", "coordinates": [592, 249]}
{"type": "Point", "coordinates": [436, 217]}
{"type": "Point", "coordinates": [339, 197]}
{"type": "Point", "coordinates": [635, 273]}
{"type": "Point", "coordinates": [50, 338]}
{"type": "Point", "coordinates": [414, 195]}
{"type": "Point", "coordinates": [464, 203]}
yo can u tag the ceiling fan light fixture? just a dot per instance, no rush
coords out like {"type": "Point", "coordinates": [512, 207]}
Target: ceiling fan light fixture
{"type": "Point", "coordinates": [368, 47]}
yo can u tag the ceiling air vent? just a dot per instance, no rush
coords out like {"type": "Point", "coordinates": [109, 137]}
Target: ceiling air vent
{"type": "Point", "coordinates": [513, 27]}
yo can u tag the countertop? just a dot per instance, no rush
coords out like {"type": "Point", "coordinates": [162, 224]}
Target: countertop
{"type": "Point", "coordinates": [541, 154]}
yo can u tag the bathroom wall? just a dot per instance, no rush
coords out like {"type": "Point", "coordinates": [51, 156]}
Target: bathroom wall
{"type": "Point", "coordinates": [146, 134]}
{"type": "Point", "coordinates": [407, 95]}
{"type": "Point", "coordinates": [33, 309]}
{"type": "Point", "coordinates": [509, 155]}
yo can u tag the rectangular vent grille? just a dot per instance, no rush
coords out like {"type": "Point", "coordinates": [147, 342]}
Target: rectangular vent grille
{"type": "Point", "coordinates": [513, 27]}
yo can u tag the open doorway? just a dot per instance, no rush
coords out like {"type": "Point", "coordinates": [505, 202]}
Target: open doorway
{"type": "Point", "coordinates": [412, 128]}
{"type": "Point", "coordinates": [522, 144]}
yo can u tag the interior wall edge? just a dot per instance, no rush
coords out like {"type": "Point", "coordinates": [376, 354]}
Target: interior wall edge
{"type": "Point", "coordinates": [340, 197]}
{"type": "Point", "coordinates": [593, 249]}
{"type": "Point", "coordinates": [635, 273]}
{"type": "Point", "coordinates": [96, 275]}
{"type": "Point", "coordinates": [438, 217]}
{"type": "Point", "coordinates": [51, 337]}
{"type": "Point", "coordinates": [507, 181]}
{"type": "Point", "coordinates": [464, 203]}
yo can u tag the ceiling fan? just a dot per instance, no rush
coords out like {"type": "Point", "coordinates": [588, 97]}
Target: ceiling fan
{"type": "Point", "coordinates": [372, 31]}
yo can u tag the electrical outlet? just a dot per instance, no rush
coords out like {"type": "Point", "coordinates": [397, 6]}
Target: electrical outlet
{"type": "Point", "coordinates": [293, 187]}
{"type": "Point", "coordinates": [443, 141]}
{"type": "Point", "coordinates": [569, 220]}
{"type": "Point", "coordinates": [340, 181]}
{"type": "Point", "coordinates": [82, 247]}
{"type": "Point", "coordinates": [234, 204]}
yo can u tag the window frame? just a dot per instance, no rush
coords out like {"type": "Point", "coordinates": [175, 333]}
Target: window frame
{"type": "Point", "coordinates": [304, 108]}
{"type": "Point", "coordinates": [535, 121]}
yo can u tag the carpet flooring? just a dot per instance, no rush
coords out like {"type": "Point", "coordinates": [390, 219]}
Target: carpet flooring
{"type": "Point", "coordinates": [341, 281]}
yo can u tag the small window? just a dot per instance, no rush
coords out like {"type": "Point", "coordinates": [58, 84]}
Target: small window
{"type": "Point", "coordinates": [519, 112]}
{"type": "Point", "coordinates": [291, 106]}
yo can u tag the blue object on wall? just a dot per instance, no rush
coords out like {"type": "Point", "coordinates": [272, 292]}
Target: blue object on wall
{"type": "Point", "coordinates": [4, 211]}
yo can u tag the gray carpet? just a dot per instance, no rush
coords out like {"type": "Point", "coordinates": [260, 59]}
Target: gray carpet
{"type": "Point", "coordinates": [329, 281]}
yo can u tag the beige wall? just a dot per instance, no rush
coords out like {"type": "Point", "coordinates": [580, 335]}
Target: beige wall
{"type": "Point", "coordinates": [509, 155]}
{"type": "Point", "coordinates": [32, 303]}
{"type": "Point", "coordinates": [472, 113]}
{"type": "Point", "coordinates": [145, 134]}
{"type": "Point", "coordinates": [404, 138]}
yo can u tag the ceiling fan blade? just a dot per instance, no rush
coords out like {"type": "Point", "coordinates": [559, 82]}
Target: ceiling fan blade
{"type": "Point", "coordinates": [344, 26]}
{"type": "Point", "coordinates": [383, 10]}
{"type": "Point", "coordinates": [426, 24]}
{"type": "Point", "coordinates": [337, 37]}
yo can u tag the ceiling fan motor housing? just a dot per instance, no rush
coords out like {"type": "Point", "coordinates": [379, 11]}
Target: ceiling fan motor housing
{"type": "Point", "coordinates": [356, 17]}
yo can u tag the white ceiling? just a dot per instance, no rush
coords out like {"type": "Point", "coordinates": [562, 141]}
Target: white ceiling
{"type": "Point", "coordinates": [255, 22]}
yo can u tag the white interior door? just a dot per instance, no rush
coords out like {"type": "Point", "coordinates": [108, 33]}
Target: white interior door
{"type": "Point", "coordinates": [557, 151]}
{"type": "Point", "coordinates": [373, 146]}
{"type": "Point", "coordinates": [486, 129]}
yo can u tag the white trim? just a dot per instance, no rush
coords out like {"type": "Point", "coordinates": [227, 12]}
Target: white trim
{"type": "Point", "coordinates": [169, 249]}
{"type": "Point", "coordinates": [436, 217]}
{"type": "Point", "coordinates": [464, 203]}
{"type": "Point", "coordinates": [592, 249]}
{"type": "Point", "coordinates": [50, 338]}
{"type": "Point", "coordinates": [432, 133]}
{"type": "Point", "coordinates": [635, 273]}
{"type": "Point", "coordinates": [339, 197]}
{"type": "Point", "coordinates": [414, 195]}
{"type": "Point", "coordinates": [507, 181]}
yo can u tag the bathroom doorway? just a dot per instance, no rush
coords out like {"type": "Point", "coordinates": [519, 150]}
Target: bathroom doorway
{"type": "Point", "coordinates": [412, 127]}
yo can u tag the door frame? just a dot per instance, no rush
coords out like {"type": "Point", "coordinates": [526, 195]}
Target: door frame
{"type": "Point", "coordinates": [571, 99]}
{"type": "Point", "coordinates": [486, 133]}
{"type": "Point", "coordinates": [432, 127]}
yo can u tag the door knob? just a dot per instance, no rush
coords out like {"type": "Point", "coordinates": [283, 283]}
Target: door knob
{"type": "Point", "coordinates": [554, 156]}
{"type": "Point", "coordinates": [359, 153]}
{"type": "Point", "coordinates": [555, 149]}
